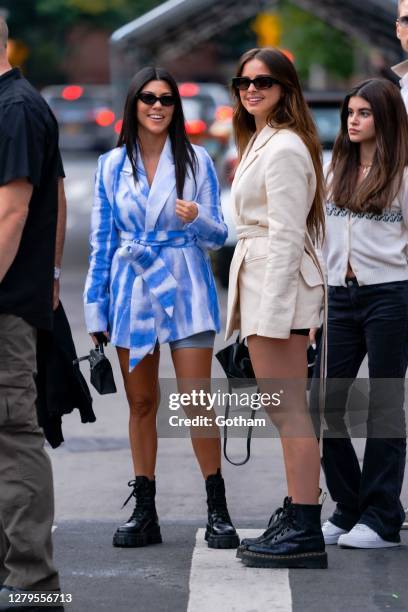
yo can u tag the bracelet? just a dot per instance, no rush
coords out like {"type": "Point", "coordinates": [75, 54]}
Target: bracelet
{"type": "Point", "coordinates": [57, 272]}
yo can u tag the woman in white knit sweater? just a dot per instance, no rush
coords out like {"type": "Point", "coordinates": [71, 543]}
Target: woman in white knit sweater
{"type": "Point", "coordinates": [365, 249]}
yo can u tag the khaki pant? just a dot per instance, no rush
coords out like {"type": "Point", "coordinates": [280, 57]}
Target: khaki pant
{"type": "Point", "coordinates": [26, 488]}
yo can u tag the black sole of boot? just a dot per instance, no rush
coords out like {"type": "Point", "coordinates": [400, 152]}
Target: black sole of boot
{"type": "Point", "coordinates": [305, 560]}
{"type": "Point", "coordinates": [137, 540]}
{"type": "Point", "coordinates": [240, 551]}
{"type": "Point", "coordinates": [214, 541]}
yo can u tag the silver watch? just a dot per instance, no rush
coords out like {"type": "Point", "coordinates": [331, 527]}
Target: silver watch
{"type": "Point", "coordinates": [57, 272]}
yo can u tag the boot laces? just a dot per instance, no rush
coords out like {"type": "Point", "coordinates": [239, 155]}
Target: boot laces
{"type": "Point", "coordinates": [287, 520]}
{"type": "Point", "coordinates": [221, 513]}
{"type": "Point", "coordinates": [142, 504]}
{"type": "Point", "coordinates": [138, 513]}
{"type": "Point", "coordinates": [278, 516]}
{"type": "Point", "coordinates": [131, 483]}
{"type": "Point", "coordinates": [275, 517]}
{"type": "Point", "coordinates": [218, 503]}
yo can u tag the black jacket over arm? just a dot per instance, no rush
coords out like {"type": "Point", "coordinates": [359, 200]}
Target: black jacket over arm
{"type": "Point", "coordinates": [60, 384]}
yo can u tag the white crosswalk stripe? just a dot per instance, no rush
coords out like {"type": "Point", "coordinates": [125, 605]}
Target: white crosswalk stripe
{"type": "Point", "coordinates": [220, 581]}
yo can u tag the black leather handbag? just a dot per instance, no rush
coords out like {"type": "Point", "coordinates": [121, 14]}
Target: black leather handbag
{"type": "Point", "coordinates": [101, 370]}
{"type": "Point", "coordinates": [236, 363]}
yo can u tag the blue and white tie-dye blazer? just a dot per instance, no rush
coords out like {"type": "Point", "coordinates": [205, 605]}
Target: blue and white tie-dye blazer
{"type": "Point", "coordinates": [150, 276]}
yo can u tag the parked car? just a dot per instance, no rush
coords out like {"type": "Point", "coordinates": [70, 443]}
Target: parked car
{"type": "Point", "coordinates": [198, 121]}
{"type": "Point", "coordinates": [208, 111]}
{"type": "Point", "coordinates": [325, 108]}
{"type": "Point", "coordinates": [217, 95]}
{"type": "Point", "coordinates": [84, 114]}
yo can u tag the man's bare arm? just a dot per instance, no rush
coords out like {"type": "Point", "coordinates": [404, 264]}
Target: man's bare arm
{"type": "Point", "coordinates": [14, 200]}
{"type": "Point", "coordinates": [60, 237]}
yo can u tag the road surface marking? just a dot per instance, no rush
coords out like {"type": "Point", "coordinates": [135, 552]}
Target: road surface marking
{"type": "Point", "coordinates": [220, 581]}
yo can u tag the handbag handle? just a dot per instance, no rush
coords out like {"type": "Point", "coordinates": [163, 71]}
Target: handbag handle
{"type": "Point", "coordinates": [98, 348]}
{"type": "Point", "coordinates": [249, 436]}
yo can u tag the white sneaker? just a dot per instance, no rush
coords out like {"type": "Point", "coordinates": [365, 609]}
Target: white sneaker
{"type": "Point", "coordinates": [331, 532]}
{"type": "Point", "coordinates": [362, 536]}
{"type": "Point", "coordinates": [405, 523]}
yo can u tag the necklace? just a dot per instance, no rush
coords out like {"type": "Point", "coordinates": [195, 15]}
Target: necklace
{"type": "Point", "coordinates": [365, 169]}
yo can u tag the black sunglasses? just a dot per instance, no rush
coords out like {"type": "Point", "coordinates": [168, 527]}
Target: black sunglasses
{"type": "Point", "coordinates": [403, 21]}
{"type": "Point", "coordinates": [150, 99]}
{"type": "Point", "coordinates": [259, 82]}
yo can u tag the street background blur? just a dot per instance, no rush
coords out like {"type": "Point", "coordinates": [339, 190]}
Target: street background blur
{"type": "Point", "coordinates": [81, 54]}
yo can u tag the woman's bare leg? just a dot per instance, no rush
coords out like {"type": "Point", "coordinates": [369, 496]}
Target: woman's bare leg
{"type": "Point", "coordinates": [193, 371]}
{"type": "Point", "coordinates": [286, 360]}
{"type": "Point", "coordinates": [142, 391]}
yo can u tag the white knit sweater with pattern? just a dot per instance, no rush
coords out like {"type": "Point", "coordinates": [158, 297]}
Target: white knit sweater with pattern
{"type": "Point", "coordinates": [376, 245]}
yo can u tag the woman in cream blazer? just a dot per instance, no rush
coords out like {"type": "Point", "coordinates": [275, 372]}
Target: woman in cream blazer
{"type": "Point", "coordinates": [275, 285]}
{"type": "Point", "coordinates": [276, 290]}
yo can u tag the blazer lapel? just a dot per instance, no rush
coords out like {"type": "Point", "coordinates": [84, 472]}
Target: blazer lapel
{"type": "Point", "coordinates": [253, 149]}
{"type": "Point", "coordinates": [164, 182]}
{"type": "Point", "coordinates": [246, 160]}
{"type": "Point", "coordinates": [140, 189]}
{"type": "Point", "coordinates": [264, 136]}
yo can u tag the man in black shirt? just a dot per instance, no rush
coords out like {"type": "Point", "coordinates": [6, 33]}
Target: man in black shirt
{"type": "Point", "coordinates": [32, 227]}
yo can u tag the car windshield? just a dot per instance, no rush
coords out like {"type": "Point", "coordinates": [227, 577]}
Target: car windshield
{"type": "Point", "coordinates": [327, 121]}
{"type": "Point", "coordinates": [193, 109]}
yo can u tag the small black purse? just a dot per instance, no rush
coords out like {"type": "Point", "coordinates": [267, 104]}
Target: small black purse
{"type": "Point", "coordinates": [236, 363]}
{"type": "Point", "coordinates": [101, 370]}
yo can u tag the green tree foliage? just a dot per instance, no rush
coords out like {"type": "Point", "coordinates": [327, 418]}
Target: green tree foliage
{"type": "Point", "coordinates": [42, 25]}
{"type": "Point", "coordinates": [313, 41]}
{"type": "Point", "coordinates": [109, 14]}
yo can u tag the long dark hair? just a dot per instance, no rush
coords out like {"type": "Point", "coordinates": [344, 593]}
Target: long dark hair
{"type": "Point", "coordinates": [184, 155]}
{"type": "Point", "coordinates": [292, 113]}
{"type": "Point", "coordinates": [382, 184]}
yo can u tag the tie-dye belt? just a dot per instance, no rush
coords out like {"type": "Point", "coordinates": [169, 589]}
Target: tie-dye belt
{"type": "Point", "coordinates": [142, 249]}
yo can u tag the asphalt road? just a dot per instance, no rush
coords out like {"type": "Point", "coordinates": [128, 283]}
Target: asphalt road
{"type": "Point", "coordinates": [91, 471]}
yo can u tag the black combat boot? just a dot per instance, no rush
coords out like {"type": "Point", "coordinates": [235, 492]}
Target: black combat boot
{"type": "Point", "coordinates": [220, 532]}
{"type": "Point", "coordinates": [143, 526]}
{"type": "Point", "coordinates": [296, 542]}
{"type": "Point", "coordinates": [272, 525]}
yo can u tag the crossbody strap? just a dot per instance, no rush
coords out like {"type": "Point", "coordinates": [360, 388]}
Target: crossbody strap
{"type": "Point", "coordinates": [323, 356]}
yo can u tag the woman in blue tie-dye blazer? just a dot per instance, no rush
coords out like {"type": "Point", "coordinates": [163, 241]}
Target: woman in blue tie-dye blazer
{"type": "Point", "coordinates": [156, 212]}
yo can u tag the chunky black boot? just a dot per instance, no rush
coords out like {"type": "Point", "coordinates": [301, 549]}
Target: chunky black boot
{"type": "Point", "coordinates": [273, 524]}
{"type": "Point", "coordinates": [143, 526]}
{"type": "Point", "coordinates": [220, 532]}
{"type": "Point", "coordinates": [296, 542]}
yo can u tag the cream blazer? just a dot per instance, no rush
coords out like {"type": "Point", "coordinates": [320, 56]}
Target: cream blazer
{"type": "Point", "coordinates": [276, 280]}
